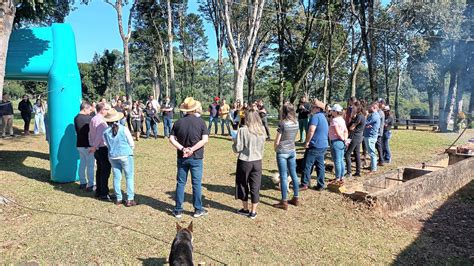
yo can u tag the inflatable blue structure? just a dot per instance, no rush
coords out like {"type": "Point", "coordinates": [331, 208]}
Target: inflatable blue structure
{"type": "Point", "coordinates": [49, 54]}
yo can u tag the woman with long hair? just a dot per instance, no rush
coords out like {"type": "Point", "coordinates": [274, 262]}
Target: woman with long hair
{"type": "Point", "coordinates": [120, 146]}
{"type": "Point", "coordinates": [249, 144]}
{"type": "Point", "coordinates": [338, 136]}
{"type": "Point", "coordinates": [40, 110]}
{"type": "Point", "coordinates": [150, 120]}
{"type": "Point", "coordinates": [286, 154]}
{"type": "Point", "coordinates": [136, 115]}
{"type": "Point", "coordinates": [242, 112]}
{"type": "Point", "coordinates": [26, 108]}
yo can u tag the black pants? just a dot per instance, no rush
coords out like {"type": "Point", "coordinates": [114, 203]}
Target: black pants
{"type": "Point", "coordinates": [354, 147]}
{"type": "Point", "coordinates": [265, 125]}
{"type": "Point", "coordinates": [248, 179]}
{"type": "Point", "coordinates": [103, 172]}
{"type": "Point", "coordinates": [27, 119]}
{"type": "Point", "coordinates": [379, 146]}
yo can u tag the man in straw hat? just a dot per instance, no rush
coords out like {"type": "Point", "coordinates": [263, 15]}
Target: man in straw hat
{"type": "Point", "coordinates": [96, 140]}
{"type": "Point", "coordinates": [316, 146]}
{"type": "Point", "coordinates": [188, 136]}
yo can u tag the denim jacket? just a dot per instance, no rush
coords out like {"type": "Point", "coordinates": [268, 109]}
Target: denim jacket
{"type": "Point", "coordinates": [119, 146]}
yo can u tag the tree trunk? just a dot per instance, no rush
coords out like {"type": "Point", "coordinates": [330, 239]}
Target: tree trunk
{"type": "Point", "coordinates": [126, 64]}
{"type": "Point", "coordinates": [326, 79]}
{"type": "Point", "coordinates": [442, 100]}
{"type": "Point", "coordinates": [397, 88]}
{"type": "Point", "coordinates": [329, 57]}
{"type": "Point", "coordinates": [220, 64]}
{"type": "Point", "coordinates": [156, 82]}
{"type": "Point", "coordinates": [386, 72]}
{"type": "Point", "coordinates": [184, 50]}
{"type": "Point", "coordinates": [239, 77]}
{"type": "Point", "coordinates": [367, 37]}
{"type": "Point", "coordinates": [448, 109]}
{"type": "Point", "coordinates": [430, 103]}
{"type": "Point", "coordinates": [354, 76]}
{"type": "Point", "coordinates": [6, 26]}
{"type": "Point", "coordinates": [458, 101]}
{"type": "Point", "coordinates": [170, 53]}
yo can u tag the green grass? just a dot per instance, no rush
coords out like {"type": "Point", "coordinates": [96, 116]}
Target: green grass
{"type": "Point", "coordinates": [68, 226]}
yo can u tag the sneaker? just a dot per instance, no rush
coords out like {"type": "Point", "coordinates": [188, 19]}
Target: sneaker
{"type": "Point", "coordinates": [118, 202]}
{"type": "Point", "coordinates": [348, 175]}
{"type": "Point", "coordinates": [252, 215]}
{"type": "Point", "coordinates": [82, 186]}
{"type": "Point", "coordinates": [200, 213]}
{"type": "Point", "coordinates": [356, 175]}
{"type": "Point", "coordinates": [243, 212]}
{"type": "Point", "coordinates": [178, 214]}
{"type": "Point", "coordinates": [90, 189]}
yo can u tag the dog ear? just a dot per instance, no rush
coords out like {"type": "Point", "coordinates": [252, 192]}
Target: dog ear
{"type": "Point", "coordinates": [190, 227]}
{"type": "Point", "coordinates": [178, 227]}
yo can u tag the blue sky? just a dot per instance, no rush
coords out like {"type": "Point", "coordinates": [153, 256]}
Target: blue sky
{"type": "Point", "coordinates": [96, 29]}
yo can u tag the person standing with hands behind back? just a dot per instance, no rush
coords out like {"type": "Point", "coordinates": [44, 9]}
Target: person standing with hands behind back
{"type": "Point", "coordinates": [188, 136]}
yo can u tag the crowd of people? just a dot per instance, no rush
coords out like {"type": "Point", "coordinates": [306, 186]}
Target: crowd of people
{"type": "Point", "coordinates": [106, 134]}
{"type": "Point", "coordinates": [27, 110]}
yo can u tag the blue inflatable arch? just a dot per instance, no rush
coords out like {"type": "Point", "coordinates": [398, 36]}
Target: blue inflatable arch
{"type": "Point", "coordinates": [49, 54]}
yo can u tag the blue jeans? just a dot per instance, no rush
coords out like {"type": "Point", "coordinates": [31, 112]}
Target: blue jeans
{"type": "Point", "coordinates": [150, 124]}
{"type": "Point", "coordinates": [287, 163]}
{"type": "Point", "coordinates": [86, 163]}
{"type": "Point", "coordinates": [225, 122]}
{"type": "Point", "coordinates": [387, 154]}
{"type": "Point", "coordinates": [314, 156]}
{"type": "Point", "coordinates": [194, 166]}
{"type": "Point", "coordinates": [214, 120]}
{"type": "Point", "coordinates": [127, 165]}
{"type": "Point", "coordinates": [167, 122]}
{"type": "Point", "coordinates": [303, 123]}
{"type": "Point", "coordinates": [337, 153]}
{"type": "Point", "coordinates": [371, 149]}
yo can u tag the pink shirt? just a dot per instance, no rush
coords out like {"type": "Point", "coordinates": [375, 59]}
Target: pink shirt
{"type": "Point", "coordinates": [337, 122]}
{"type": "Point", "coordinates": [97, 128]}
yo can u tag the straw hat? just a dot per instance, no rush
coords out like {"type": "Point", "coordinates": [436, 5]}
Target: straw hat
{"type": "Point", "coordinates": [318, 104]}
{"type": "Point", "coordinates": [113, 116]}
{"type": "Point", "coordinates": [189, 105]}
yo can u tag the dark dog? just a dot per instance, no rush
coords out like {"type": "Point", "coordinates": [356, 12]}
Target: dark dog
{"type": "Point", "coordinates": [182, 247]}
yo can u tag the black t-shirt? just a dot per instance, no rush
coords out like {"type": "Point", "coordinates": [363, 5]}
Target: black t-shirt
{"type": "Point", "coordinates": [81, 123]}
{"type": "Point", "coordinates": [303, 113]}
{"type": "Point", "coordinates": [358, 131]}
{"type": "Point", "coordinates": [189, 131]}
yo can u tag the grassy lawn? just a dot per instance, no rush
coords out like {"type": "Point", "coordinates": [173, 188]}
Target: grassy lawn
{"type": "Point", "coordinates": [62, 224]}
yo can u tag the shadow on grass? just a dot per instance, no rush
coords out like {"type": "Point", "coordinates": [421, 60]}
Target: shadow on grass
{"type": "Point", "coordinates": [206, 203]}
{"type": "Point", "coordinates": [153, 261]}
{"type": "Point", "coordinates": [448, 236]}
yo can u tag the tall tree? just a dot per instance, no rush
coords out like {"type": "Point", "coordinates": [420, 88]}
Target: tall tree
{"type": "Point", "coordinates": [125, 36]}
{"type": "Point", "coordinates": [210, 10]}
{"type": "Point", "coordinates": [170, 51]}
{"type": "Point", "coordinates": [241, 36]}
